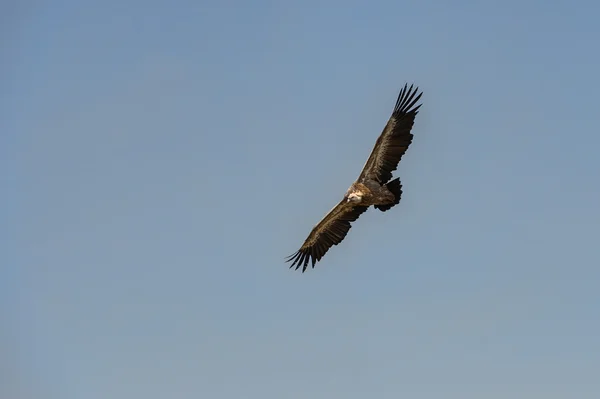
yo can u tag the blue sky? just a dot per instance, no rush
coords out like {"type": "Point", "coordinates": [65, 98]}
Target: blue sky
{"type": "Point", "coordinates": [159, 161]}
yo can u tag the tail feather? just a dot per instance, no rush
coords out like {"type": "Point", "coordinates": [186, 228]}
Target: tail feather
{"type": "Point", "coordinates": [396, 188]}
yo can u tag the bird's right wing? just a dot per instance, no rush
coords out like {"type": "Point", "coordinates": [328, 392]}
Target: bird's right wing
{"type": "Point", "coordinates": [330, 231]}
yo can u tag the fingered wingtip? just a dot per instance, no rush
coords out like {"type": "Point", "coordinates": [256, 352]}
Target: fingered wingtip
{"type": "Point", "coordinates": [407, 99]}
{"type": "Point", "coordinates": [300, 259]}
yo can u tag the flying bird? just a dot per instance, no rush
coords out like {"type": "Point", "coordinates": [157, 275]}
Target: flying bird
{"type": "Point", "coordinates": [373, 186]}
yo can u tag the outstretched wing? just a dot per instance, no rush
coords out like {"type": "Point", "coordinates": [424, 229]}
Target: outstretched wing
{"type": "Point", "coordinates": [395, 138]}
{"type": "Point", "coordinates": [330, 231]}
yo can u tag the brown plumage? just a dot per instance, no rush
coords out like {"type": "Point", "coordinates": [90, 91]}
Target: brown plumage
{"type": "Point", "coordinates": [373, 186]}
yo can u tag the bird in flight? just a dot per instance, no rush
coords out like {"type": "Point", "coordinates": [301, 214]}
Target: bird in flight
{"type": "Point", "coordinates": [373, 186]}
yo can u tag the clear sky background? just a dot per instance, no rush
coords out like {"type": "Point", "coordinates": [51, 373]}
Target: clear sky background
{"type": "Point", "coordinates": [160, 160]}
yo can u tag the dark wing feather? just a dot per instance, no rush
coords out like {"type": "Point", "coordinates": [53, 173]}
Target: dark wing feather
{"type": "Point", "coordinates": [330, 231]}
{"type": "Point", "coordinates": [395, 138]}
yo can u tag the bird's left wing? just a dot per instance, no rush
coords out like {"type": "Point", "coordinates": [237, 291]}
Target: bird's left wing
{"type": "Point", "coordinates": [330, 231]}
{"type": "Point", "coordinates": [395, 138]}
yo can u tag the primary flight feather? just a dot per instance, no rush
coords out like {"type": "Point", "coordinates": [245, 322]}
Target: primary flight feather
{"type": "Point", "coordinates": [373, 186]}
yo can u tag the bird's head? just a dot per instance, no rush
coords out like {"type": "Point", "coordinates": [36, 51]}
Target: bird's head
{"type": "Point", "coordinates": [355, 196]}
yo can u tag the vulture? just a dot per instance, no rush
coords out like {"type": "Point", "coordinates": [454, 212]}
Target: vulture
{"type": "Point", "coordinates": [374, 185]}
